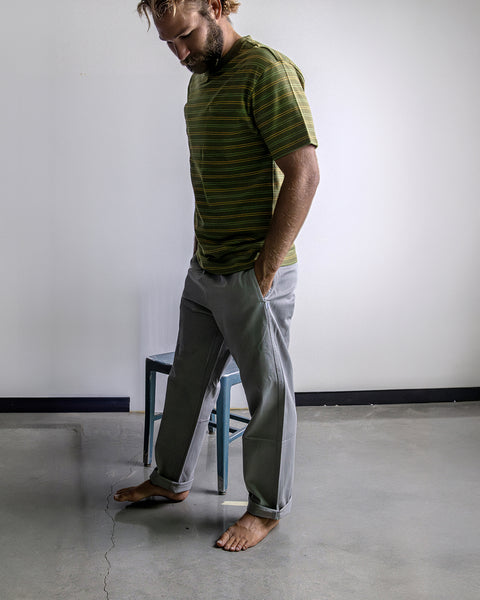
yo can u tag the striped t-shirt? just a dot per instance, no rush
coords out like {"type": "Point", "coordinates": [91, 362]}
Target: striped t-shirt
{"type": "Point", "coordinates": [250, 112]}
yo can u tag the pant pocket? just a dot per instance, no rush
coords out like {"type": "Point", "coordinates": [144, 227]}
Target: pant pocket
{"type": "Point", "coordinates": [253, 277]}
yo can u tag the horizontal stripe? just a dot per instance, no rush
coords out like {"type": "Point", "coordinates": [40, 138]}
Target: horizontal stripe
{"type": "Point", "coordinates": [239, 121]}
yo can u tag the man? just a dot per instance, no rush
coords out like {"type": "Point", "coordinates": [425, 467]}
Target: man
{"type": "Point", "coordinates": [254, 174]}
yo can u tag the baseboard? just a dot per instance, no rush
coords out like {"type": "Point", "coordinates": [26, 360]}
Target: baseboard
{"type": "Point", "coordinates": [366, 397]}
{"type": "Point", "coordinates": [361, 397]}
{"type": "Point", "coordinates": [65, 405]}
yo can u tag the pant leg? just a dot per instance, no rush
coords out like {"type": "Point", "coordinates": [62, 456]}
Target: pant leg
{"type": "Point", "coordinates": [192, 386]}
{"type": "Point", "coordinates": [256, 330]}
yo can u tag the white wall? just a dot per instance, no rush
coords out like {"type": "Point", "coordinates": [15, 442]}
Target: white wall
{"type": "Point", "coordinates": [96, 219]}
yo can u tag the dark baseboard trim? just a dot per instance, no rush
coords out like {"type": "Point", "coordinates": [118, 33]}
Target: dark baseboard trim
{"type": "Point", "coordinates": [365, 397]}
{"type": "Point", "coordinates": [64, 405]}
{"type": "Point", "coordinates": [362, 397]}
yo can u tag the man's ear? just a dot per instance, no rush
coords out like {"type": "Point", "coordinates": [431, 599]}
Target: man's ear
{"type": "Point", "coordinates": [216, 8]}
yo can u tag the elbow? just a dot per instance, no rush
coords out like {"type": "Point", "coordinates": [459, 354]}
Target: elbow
{"type": "Point", "coordinates": [313, 177]}
{"type": "Point", "coordinates": [312, 170]}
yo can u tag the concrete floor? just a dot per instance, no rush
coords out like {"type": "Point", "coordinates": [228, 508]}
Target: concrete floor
{"type": "Point", "coordinates": [387, 507]}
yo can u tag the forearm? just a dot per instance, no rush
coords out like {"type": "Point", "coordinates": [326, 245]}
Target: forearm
{"type": "Point", "coordinates": [294, 201]}
{"type": "Point", "coordinates": [290, 213]}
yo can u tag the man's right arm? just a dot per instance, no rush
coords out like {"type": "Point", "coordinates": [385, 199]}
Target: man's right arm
{"type": "Point", "coordinates": [302, 176]}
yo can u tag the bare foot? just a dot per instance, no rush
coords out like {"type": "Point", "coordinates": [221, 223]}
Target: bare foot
{"type": "Point", "coordinates": [146, 490]}
{"type": "Point", "coordinates": [247, 532]}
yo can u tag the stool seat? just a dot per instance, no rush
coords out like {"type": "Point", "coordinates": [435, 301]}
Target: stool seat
{"type": "Point", "coordinates": [219, 419]}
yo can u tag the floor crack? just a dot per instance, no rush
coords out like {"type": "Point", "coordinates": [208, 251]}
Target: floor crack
{"type": "Point", "coordinates": [112, 540]}
{"type": "Point", "coordinates": [112, 535]}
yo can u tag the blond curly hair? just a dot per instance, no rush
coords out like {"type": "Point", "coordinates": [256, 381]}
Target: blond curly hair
{"type": "Point", "coordinates": [158, 8]}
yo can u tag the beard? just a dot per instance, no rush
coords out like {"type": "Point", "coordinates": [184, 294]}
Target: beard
{"type": "Point", "coordinates": [210, 57]}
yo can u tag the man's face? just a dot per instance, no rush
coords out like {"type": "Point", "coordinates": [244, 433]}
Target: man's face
{"type": "Point", "coordinates": [195, 39]}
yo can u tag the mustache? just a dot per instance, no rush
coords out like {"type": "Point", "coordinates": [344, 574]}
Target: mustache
{"type": "Point", "coordinates": [188, 62]}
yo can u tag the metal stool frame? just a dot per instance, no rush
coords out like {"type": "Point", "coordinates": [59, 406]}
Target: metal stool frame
{"type": "Point", "coordinates": [219, 419]}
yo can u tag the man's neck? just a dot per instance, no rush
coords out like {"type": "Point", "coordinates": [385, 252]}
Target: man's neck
{"type": "Point", "coordinates": [230, 36]}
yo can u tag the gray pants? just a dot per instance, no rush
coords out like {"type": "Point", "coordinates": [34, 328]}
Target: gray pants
{"type": "Point", "coordinates": [222, 315]}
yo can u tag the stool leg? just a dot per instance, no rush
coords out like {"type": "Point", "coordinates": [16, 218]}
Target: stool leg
{"type": "Point", "coordinates": [223, 434]}
{"type": "Point", "coordinates": [211, 423]}
{"type": "Point", "coordinates": [150, 380]}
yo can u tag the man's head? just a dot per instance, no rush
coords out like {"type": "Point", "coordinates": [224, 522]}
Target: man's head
{"type": "Point", "coordinates": [193, 29]}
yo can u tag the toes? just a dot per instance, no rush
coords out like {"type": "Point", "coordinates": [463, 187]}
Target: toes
{"type": "Point", "coordinates": [242, 545]}
{"type": "Point", "coordinates": [123, 495]}
{"type": "Point", "coordinates": [231, 544]}
{"type": "Point", "coordinates": [223, 540]}
{"type": "Point", "coordinates": [228, 541]}
{"type": "Point", "coordinates": [232, 541]}
{"type": "Point", "coordinates": [235, 544]}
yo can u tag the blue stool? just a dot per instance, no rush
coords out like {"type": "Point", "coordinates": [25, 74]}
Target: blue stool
{"type": "Point", "coordinates": [219, 419]}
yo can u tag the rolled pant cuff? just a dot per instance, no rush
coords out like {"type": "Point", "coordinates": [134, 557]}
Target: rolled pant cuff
{"type": "Point", "coordinates": [268, 513]}
{"type": "Point", "coordinates": [173, 486]}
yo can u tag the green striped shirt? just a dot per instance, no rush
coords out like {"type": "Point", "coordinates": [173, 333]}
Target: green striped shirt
{"type": "Point", "coordinates": [240, 120]}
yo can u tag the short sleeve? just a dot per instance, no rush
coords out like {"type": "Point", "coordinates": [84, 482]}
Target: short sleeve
{"type": "Point", "coordinates": [281, 110]}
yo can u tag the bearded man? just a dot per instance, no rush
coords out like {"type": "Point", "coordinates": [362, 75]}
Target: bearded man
{"type": "Point", "coordinates": [254, 174]}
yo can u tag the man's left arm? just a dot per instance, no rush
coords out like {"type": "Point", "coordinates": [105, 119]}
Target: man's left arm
{"type": "Point", "coordinates": [301, 178]}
